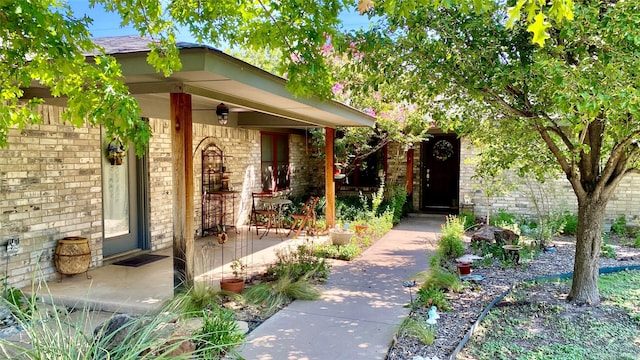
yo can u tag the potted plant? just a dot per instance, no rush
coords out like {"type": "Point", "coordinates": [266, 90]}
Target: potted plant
{"type": "Point", "coordinates": [234, 284]}
{"type": "Point", "coordinates": [116, 151]}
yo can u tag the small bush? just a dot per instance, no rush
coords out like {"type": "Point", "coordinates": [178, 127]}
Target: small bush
{"type": "Point", "coordinates": [450, 244]}
{"type": "Point", "coordinates": [397, 203]}
{"type": "Point", "coordinates": [570, 224]}
{"type": "Point", "coordinates": [345, 252]}
{"type": "Point", "coordinates": [298, 264]}
{"type": "Point", "coordinates": [468, 219]}
{"type": "Point", "coordinates": [607, 251]}
{"type": "Point", "coordinates": [219, 333]}
{"type": "Point", "coordinates": [502, 218]}
{"type": "Point", "coordinates": [433, 296]}
{"type": "Point", "coordinates": [441, 279]}
{"type": "Point", "coordinates": [637, 242]}
{"type": "Point", "coordinates": [619, 226]}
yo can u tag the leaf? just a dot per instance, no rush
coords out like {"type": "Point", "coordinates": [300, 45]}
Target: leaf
{"type": "Point", "coordinates": [539, 29]}
{"type": "Point", "coordinates": [514, 13]}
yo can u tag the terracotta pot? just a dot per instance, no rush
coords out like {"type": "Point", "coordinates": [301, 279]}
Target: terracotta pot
{"type": "Point", "coordinates": [361, 229]}
{"type": "Point", "coordinates": [234, 285]}
{"type": "Point", "coordinates": [464, 268]}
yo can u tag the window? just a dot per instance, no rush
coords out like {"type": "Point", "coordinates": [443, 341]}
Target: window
{"type": "Point", "coordinates": [366, 172]}
{"type": "Point", "coordinates": [275, 155]}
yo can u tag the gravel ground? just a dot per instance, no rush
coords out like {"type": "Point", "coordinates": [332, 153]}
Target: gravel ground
{"type": "Point", "coordinates": [466, 307]}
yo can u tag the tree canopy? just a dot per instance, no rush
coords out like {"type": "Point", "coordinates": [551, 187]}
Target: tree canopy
{"type": "Point", "coordinates": [570, 106]}
{"type": "Point", "coordinates": [45, 42]}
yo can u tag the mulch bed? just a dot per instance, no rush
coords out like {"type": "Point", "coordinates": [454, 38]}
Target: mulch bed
{"type": "Point", "coordinates": [467, 306]}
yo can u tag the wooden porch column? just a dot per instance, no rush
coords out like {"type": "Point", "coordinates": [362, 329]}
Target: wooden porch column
{"type": "Point", "coordinates": [181, 149]}
{"type": "Point", "coordinates": [329, 182]}
{"type": "Point", "coordinates": [409, 181]}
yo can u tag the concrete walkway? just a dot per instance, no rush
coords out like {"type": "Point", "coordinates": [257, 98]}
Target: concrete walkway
{"type": "Point", "coordinates": [362, 305]}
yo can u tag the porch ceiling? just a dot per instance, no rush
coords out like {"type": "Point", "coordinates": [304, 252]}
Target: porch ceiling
{"type": "Point", "coordinates": [256, 98]}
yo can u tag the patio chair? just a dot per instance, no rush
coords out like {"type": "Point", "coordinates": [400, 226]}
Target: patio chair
{"type": "Point", "coordinates": [261, 215]}
{"type": "Point", "coordinates": [306, 216]}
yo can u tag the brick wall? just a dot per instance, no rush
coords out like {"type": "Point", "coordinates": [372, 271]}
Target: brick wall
{"type": "Point", "coordinates": [160, 185]}
{"type": "Point", "coordinates": [50, 188]}
{"type": "Point", "coordinates": [526, 197]}
{"type": "Point", "coordinates": [242, 161]}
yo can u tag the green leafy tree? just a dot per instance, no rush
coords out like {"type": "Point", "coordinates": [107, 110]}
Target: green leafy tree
{"type": "Point", "coordinates": [570, 107]}
{"type": "Point", "coordinates": [43, 42]}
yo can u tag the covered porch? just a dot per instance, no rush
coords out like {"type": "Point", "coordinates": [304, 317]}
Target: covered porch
{"type": "Point", "coordinates": [144, 289]}
{"type": "Point", "coordinates": [184, 109]}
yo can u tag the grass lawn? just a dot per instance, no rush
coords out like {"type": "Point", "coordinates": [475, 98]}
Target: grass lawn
{"type": "Point", "coordinates": [536, 322]}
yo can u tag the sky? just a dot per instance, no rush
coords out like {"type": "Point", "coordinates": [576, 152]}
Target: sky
{"type": "Point", "coordinates": [108, 24]}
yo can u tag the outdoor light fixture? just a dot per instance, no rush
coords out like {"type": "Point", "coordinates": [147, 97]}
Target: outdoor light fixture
{"type": "Point", "coordinates": [222, 111]}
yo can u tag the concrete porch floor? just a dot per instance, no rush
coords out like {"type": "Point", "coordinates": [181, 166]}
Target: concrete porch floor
{"type": "Point", "coordinates": [144, 289]}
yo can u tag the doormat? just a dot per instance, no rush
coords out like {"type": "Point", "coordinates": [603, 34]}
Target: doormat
{"type": "Point", "coordinates": [140, 260]}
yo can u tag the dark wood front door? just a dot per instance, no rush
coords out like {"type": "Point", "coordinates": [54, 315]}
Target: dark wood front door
{"type": "Point", "coordinates": [440, 174]}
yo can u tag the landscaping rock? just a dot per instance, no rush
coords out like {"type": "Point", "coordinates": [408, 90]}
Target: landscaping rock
{"type": "Point", "coordinates": [170, 331]}
{"type": "Point", "coordinates": [485, 234]}
{"type": "Point", "coordinates": [493, 234]}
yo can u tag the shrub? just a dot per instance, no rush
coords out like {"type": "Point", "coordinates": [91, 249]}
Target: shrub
{"type": "Point", "coordinates": [502, 218]}
{"type": "Point", "coordinates": [441, 279]}
{"type": "Point", "coordinates": [397, 203]}
{"type": "Point", "coordinates": [348, 208]}
{"type": "Point", "coordinates": [619, 226]}
{"type": "Point", "coordinates": [298, 264]}
{"type": "Point", "coordinates": [450, 244]}
{"type": "Point", "coordinates": [607, 251]}
{"type": "Point", "coordinates": [433, 296]}
{"type": "Point", "coordinates": [20, 304]}
{"type": "Point", "coordinates": [219, 333]}
{"type": "Point", "coordinates": [637, 242]}
{"type": "Point", "coordinates": [345, 252]}
{"type": "Point", "coordinates": [570, 224]}
{"type": "Point", "coordinates": [468, 219]}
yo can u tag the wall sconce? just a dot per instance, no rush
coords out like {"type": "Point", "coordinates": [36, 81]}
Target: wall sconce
{"type": "Point", "coordinates": [222, 111]}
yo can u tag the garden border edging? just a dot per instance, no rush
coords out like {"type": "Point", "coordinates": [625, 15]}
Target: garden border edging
{"type": "Point", "coordinates": [467, 337]}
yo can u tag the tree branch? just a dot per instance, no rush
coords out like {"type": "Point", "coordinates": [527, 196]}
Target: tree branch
{"type": "Point", "coordinates": [493, 97]}
{"type": "Point", "coordinates": [616, 153]}
{"type": "Point", "coordinates": [569, 170]}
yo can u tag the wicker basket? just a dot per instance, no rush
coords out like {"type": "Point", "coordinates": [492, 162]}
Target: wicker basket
{"type": "Point", "coordinates": [73, 255]}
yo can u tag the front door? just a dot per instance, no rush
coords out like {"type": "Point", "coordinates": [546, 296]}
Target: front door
{"type": "Point", "coordinates": [122, 210]}
{"type": "Point", "coordinates": [440, 173]}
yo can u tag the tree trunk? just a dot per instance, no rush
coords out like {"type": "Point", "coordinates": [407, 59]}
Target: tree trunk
{"type": "Point", "coordinates": [584, 288]}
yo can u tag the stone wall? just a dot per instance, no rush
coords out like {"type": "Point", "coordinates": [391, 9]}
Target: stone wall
{"type": "Point", "coordinates": [50, 188]}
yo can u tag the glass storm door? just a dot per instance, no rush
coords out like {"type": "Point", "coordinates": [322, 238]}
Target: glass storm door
{"type": "Point", "coordinates": [120, 205]}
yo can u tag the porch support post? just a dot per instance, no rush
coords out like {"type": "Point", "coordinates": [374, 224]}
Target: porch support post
{"type": "Point", "coordinates": [329, 182]}
{"type": "Point", "coordinates": [181, 149]}
{"type": "Point", "coordinates": [409, 180]}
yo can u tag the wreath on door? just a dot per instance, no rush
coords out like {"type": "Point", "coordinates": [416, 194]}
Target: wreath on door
{"type": "Point", "coordinates": [442, 150]}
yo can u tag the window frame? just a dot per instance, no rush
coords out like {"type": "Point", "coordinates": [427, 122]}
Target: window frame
{"type": "Point", "coordinates": [275, 181]}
